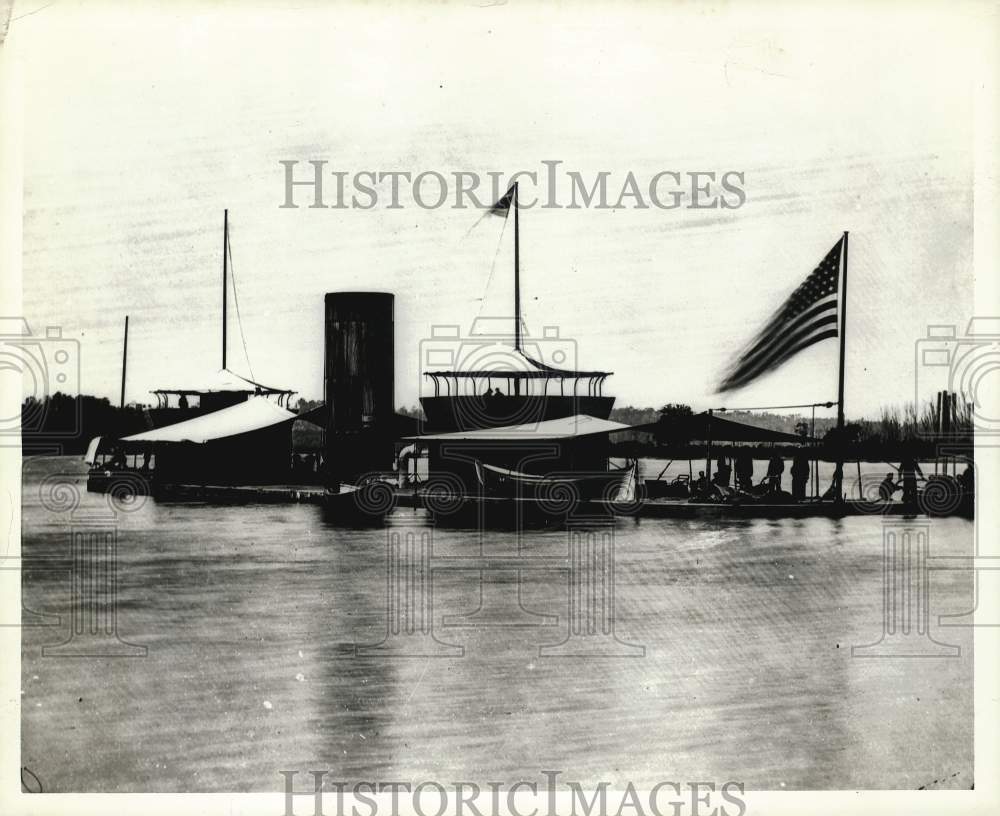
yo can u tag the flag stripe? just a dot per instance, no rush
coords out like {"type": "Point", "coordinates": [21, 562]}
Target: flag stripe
{"type": "Point", "coordinates": [822, 334]}
{"type": "Point", "coordinates": [763, 361]}
{"type": "Point", "coordinates": [777, 335]}
{"type": "Point", "coordinates": [810, 314]}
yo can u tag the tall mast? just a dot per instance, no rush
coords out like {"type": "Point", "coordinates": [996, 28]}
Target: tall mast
{"type": "Point", "coordinates": [121, 403]}
{"type": "Point", "coordinates": [517, 285]}
{"type": "Point", "coordinates": [517, 274]}
{"type": "Point", "coordinates": [839, 472]}
{"type": "Point", "coordinates": [225, 270]}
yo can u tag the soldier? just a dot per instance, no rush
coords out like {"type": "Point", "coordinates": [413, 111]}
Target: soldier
{"type": "Point", "coordinates": [744, 470]}
{"type": "Point", "coordinates": [800, 475]}
{"type": "Point", "coordinates": [908, 470]}
{"type": "Point", "coordinates": [774, 470]}
{"type": "Point", "coordinates": [722, 472]}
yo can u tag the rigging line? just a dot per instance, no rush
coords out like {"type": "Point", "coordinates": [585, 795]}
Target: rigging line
{"type": "Point", "coordinates": [482, 218]}
{"type": "Point", "coordinates": [493, 268]}
{"type": "Point", "coordinates": [236, 302]}
{"type": "Point", "coordinates": [829, 404]}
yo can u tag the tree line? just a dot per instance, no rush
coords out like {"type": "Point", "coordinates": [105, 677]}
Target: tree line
{"type": "Point", "coordinates": [72, 421]}
{"type": "Point", "coordinates": [906, 428]}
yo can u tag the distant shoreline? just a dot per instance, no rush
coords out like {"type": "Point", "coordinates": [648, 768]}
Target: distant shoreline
{"type": "Point", "coordinates": [925, 451]}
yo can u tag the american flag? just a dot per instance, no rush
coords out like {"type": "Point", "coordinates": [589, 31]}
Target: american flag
{"type": "Point", "coordinates": [811, 314]}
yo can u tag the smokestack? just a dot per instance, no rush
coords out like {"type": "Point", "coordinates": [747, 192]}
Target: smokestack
{"type": "Point", "coordinates": [359, 375]}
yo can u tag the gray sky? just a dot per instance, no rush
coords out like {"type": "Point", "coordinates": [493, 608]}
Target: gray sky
{"type": "Point", "coordinates": [141, 123]}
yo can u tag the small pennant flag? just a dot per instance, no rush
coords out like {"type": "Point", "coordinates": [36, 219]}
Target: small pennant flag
{"type": "Point", "coordinates": [502, 207]}
{"type": "Point", "coordinates": [810, 315]}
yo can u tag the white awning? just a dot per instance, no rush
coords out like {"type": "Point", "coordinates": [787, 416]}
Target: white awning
{"type": "Point", "coordinates": [253, 415]}
{"type": "Point", "coordinates": [565, 428]}
{"type": "Point", "coordinates": [217, 381]}
{"type": "Point", "coordinates": [91, 453]}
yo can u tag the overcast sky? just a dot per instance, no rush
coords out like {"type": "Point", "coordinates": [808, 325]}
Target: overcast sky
{"type": "Point", "coordinates": [142, 125]}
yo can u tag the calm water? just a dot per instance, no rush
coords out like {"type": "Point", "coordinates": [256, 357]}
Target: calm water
{"type": "Point", "coordinates": [251, 616]}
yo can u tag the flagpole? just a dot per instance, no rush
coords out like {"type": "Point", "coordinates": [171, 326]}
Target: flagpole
{"type": "Point", "coordinates": [839, 472]}
{"type": "Point", "coordinates": [517, 284]}
{"type": "Point", "coordinates": [121, 402]}
{"type": "Point", "coordinates": [517, 274]}
{"type": "Point", "coordinates": [708, 452]}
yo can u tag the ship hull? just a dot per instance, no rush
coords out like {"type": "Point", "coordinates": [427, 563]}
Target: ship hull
{"type": "Point", "coordinates": [555, 489]}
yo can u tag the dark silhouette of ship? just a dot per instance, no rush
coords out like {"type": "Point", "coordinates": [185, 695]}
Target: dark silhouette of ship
{"type": "Point", "coordinates": [219, 389]}
{"type": "Point", "coordinates": [493, 379]}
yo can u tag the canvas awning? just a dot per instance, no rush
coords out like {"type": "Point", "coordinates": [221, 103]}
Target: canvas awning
{"type": "Point", "coordinates": [320, 417]}
{"type": "Point", "coordinates": [221, 381]}
{"type": "Point", "coordinates": [91, 455]}
{"type": "Point", "coordinates": [703, 427]}
{"type": "Point", "coordinates": [566, 428]}
{"type": "Point", "coordinates": [253, 415]}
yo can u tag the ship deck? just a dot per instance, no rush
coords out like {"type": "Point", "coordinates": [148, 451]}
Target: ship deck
{"type": "Point", "coordinates": [466, 505]}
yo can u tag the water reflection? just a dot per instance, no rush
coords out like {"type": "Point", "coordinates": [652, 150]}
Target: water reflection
{"type": "Point", "coordinates": [253, 618]}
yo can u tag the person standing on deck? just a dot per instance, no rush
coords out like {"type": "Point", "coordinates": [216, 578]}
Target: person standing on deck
{"type": "Point", "coordinates": [774, 470]}
{"type": "Point", "coordinates": [800, 475]}
{"type": "Point", "coordinates": [722, 472]}
{"type": "Point", "coordinates": [908, 470]}
{"type": "Point", "coordinates": [744, 470]}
